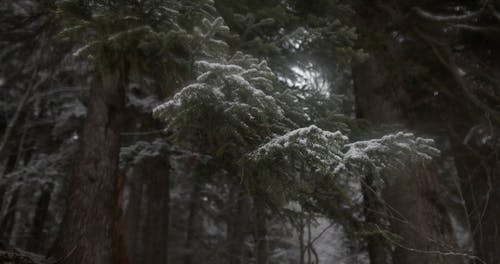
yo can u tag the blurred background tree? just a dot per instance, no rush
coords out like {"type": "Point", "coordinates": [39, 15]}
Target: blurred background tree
{"type": "Point", "coordinates": [239, 77]}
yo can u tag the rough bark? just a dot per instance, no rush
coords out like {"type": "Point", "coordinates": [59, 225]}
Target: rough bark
{"type": "Point", "coordinates": [88, 228]}
{"type": "Point", "coordinates": [421, 219]}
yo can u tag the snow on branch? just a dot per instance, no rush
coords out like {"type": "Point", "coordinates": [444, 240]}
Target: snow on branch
{"type": "Point", "coordinates": [307, 143]}
{"type": "Point", "coordinates": [330, 149]}
{"type": "Point", "coordinates": [391, 151]}
{"type": "Point", "coordinates": [241, 89]}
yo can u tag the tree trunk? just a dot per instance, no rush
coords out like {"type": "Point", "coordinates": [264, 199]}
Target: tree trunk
{"type": "Point", "coordinates": [418, 215]}
{"type": "Point", "coordinates": [11, 163]}
{"type": "Point", "coordinates": [157, 171]}
{"type": "Point", "coordinates": [373, 211]}
{"type": "Point", "coordinates": [260, 231]}
{"type": "Point", "coordinates": [7, 223]}
{"type": "Point", "coordinates": [460, 106]}
{"type": "Point", "coordinates": [310, 248]}
{"type": "Point", "coordinates": [302, 248]}
{"type": "Point", "coordinates": [237, 226]}
{"type": "Point", "coordinates": [3, 189]}
{"type": "Point", "coordinates": [480, 180]}
{"type": "Point", "coordinates": [87, 231]}
{"type": "Point", "coordinates": [192, 223]}
{"type": "Point", "coordinates": [35, 243]}
{"type": "Point", "coordinates": [135, 245]}
{"type": "Point", "coordinates": [421, 219]}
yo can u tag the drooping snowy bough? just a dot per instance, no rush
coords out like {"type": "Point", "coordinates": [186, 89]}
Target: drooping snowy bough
{"type": "Point", "coordinates": [314, 152]}
{"type": "Point", "coordinates": [235, 98]}
{"type": "Point", "coordinates": [234, 113]}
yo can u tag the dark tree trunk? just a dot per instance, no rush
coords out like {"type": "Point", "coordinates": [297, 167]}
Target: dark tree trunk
{"type": "Point", "coordinates": [417, 212]}
{"type": "Point", "coordinates": [11, 163]}
{"type": "Point", "coordinates": [302, 249]}
{"type": "Point", "coordinates": [7, 223]}
{"type": "Point", "coordinates": [147, 216]}
{"type": "Point", "coordinates": [192, 221]}
{"type": "Point", "coordinates": [421, 219]}
{"type": "Point", "coordinates": [238, 226]}
{"type": "Point", "coordinates": [480, 177]}
{"type": "Point", "coordinates": [135, 245]}
{"type": "Point", "coordinates": [260, 231]}
{"type": "Point", "coordinates": [88, 230]}
{"type": "Point", "coordinates": [3, 188]}
{"type": "Point", "coordinates": [460, 106]}
{"type": "Point", "coordinates": [120, 254]}
{"type": "Point", "coordinates": [37, 235]}
{"type": "Point", "coordinates": [157, 171]}
{"type": "Point", "coordinates": [373, 210]}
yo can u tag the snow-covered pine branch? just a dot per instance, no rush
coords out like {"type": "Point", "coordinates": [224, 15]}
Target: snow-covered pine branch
{"type": "Point", "coordinates": [391, 151]}
{"type": "Point", "coordinates": [238, 91]}
{"type": "Point", "coordinates": [311, 145]}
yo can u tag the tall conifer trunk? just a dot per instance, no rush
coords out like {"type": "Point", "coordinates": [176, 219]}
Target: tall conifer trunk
{"type": "Point", "coordinates": [237, 226]}
{"type": "Point", "coordinates": [417, 213]}
{"type": "Point", "coordinates": [147, 216]}
{"type": "Point", "coordinates": [88, 230]}
{"type": "Point", "coordinates": [156, 219]}
{"type": "Point", "coordinates": [134, 238]}
{"type": "Point", "coordinates": [373, 211]}
{"type": "Point", "coordinates": [193, 221]}
{"type": "Point", "coordinates": [479, 174]}
{"type": "Point", "coordinates": [35, 244]}
{"type": "Point", "coordinates": [260, 231]}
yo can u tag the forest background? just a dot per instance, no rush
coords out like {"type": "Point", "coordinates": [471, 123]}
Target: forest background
{"type": "Point", "coordinates": [290, 131]}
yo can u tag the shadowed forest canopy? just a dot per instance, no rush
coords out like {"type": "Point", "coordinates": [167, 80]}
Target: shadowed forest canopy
{"type": "Point", "coordinates": [249, 131]}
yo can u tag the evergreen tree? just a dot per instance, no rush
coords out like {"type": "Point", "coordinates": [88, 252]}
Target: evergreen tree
{"type": "Point", "coordinates": [270, 147]}
{"type": "Point", "coordinates": [120, 37]}
{"type": "Point", "coordinates": [234, 108]}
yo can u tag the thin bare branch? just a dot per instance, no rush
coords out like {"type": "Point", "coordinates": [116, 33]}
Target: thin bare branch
{"type": "Point", "coordinates": [447, 61]}
{"type": "Point", "coordinates": [15, 118]}
{"type": "Point", "coordinates": [477, 29]}
{"type": "Point", "coordinates": [448, 18]}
